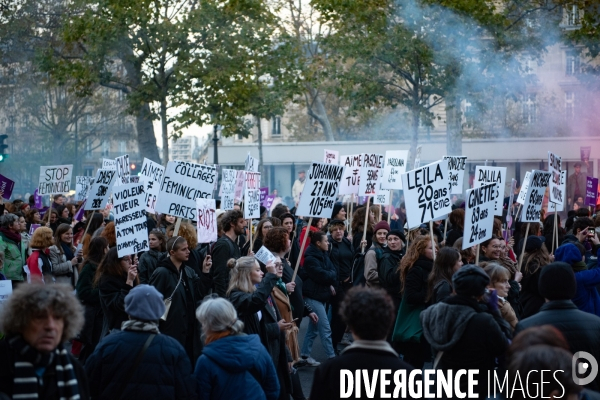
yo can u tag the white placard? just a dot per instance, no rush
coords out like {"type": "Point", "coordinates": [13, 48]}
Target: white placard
{"type": "Point", "coordinates": [123, 171]}
{"type": "Point", "coordinates": [426, 193]}
{"type": "Point", "coordinates": [151, 175]}
{"type": "Point", "coordinates": [251, 195]}
{"type": "Point", "coordinates": [107, 163]}
{"type": "Point", "coordinates": [183, 183]}
{"type": "Point", "coordinates": [369, 181]}
{"type": "Point", "coordinates": [5, 290]}
{"type": "Point", "coordinates": [350, 180]}
{"type": "Point", "coordinates": [130, 218]}
{"type": "Point", "coordinates": [485, 175]}
{"type": "Point", "coordinates": [557, 193]}
{"type": "Point", "coordinates": [563, 185]}
{"type": "Point", "coordinates": [239, 185]}
{"type": "Point", "coordinates": [227, 189]}
{"type": "Point", "coordinates": [82, 187]}
{"type": "Point", "coordinates": [535, 196]}
{"type": "Point", "coordinates": [320, 190]}
{"type": "Point", "coordinates": [524, 188]}
{"type": "Point", "coordinates": [331, 157]}
{"type": "Point", "coordinates": [55, 179]}
{"type": "Point", "coordinates": [264, 255]}
{"type": "Point", "coordinates": [207, 220]}
{"type": "Point", "coordinates": [456, 169]}
{"type": "Point", "coordinates": [394, 167]}
{"type": "Point", "coordinates": [382, 197]}
{"type": "Point", "coordinates": [101, 189]}
{"type": "Point", "coordinates": [418, 157]}
{"type": "Point", "coordinates": [479, 214]}
{"type": "Point", "coordinates": [251, 164]}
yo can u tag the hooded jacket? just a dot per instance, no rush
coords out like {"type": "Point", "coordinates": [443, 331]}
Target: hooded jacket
{"type": "Point", "coordinates": [320, 273]}
{"type": "Point", "coordinates": [236, 367]}
{"type": "Point", "coordinates": [147, 265]}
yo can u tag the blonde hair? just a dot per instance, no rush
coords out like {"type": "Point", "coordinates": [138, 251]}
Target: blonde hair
{"type": "Point", "coordinates": [239, 278]}
{"type": "Point", "coordinates": [496, 272]}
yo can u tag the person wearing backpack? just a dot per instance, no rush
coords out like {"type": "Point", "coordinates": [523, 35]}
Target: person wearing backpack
{"type": "Point", "coordinates": [373, 255]}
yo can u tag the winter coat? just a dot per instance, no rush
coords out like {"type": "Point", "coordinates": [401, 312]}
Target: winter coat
{"type": "Point", "coordinates": [441, 291]}
{"type": "Point", "coordinates": [587, 297]}
{"type": "Point", "coordinates": [453, 235]}
{"type": "Point", "coordinates": [372, 257]}
{"type": "Point", "coordinates": [181, 322]}
{"type": "Point", "coordinates": [62, 269]}
{"type": "Point", "coordinates": [236, 367]}
{"type": "Point", "coordinates": [296, 299]}
{"type": "Point", "coordinates": [530, 297]}
{"type": "Point", "coordinates": [341, 255]}
{"type": "Point", "coordinates": [507, 312]}
{"type": "Point", "coordinates": [39, 265]}
{"type": "Point", "coordinates": [224, 249]}
{"type": "Point", "coordinates": [14, 258]}
{"type": "Point", "coordinates": [113, 290]}
{"type": "Point", "coordinates": [579, 328]}
{"type": "Point", "coordinates": [147, 264]}
{"type": "Point", "coordinates": [301, 239]}
{"type": "Point", "coordinates": [357, 238]}
{"type": "Point", "coordinates": [89, 295]}
{"type": "Point", "coordinates": [389, 276]}
{"type": "Point", "coordinates": [320, 273]}
{"type": "Point", "coordinates": [284, 307]}
{"type": "Point", "coordinates": [416, 285]}
{"type": "Point", "coordinates": [164, 373]}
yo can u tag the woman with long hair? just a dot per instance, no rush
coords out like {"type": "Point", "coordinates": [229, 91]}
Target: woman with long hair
{"type": "Point", "coordinates": [110, 234]}
{"type": "Point", "coordinates": [149, 259]}
{"type": "Point", "coordinates": [165, 221]}
{"type": "Point", "coordinates": [64, 257]}
{"type": "Point", "coordinates": [89, 295]}
{"type": "Point", "coordinates": [457, 220]}
{"type": "Point", "coordinates": [115, 277]}
{"type": "Point", "coordinates": [358, 227]}
{"type": "Point", "coordinates": [250, 294]}
{"type": "Point", "coordinates": [33, 216]}
{"type": "Point", "coordinates": [446, 263]}
{"type": "Point", "coordinates": [535, 258]}
{"type": "Point", "coordinates": [96, 222]}
{"type": "Point", "coordinates": [467, 255]}
{"type": "Point", "coordinates": [263, 227]}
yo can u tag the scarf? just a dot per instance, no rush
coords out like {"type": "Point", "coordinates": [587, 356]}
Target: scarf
{"type": "Point", "coordinates": [140, 326]}
{"type": "Point", "coordinates": [211, 337]}
{"type": "Point", "coordinates": [15, 237]}
{"type": "Point", "coordinates": [66, 247]}
{"type": "Point", "coordinates": [282, 287]}
{"type": "Point", "coordinates": [579, 266]}
{"type": "Point", "coordinates": [28, 359]}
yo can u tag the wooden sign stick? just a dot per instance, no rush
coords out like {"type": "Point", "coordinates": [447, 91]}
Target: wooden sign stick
{"type": "Point", "coordinates": [367, 212]}
{"type": "Point", "coordinates": [523, 249]}
{"type": "Point", "coordinates": [177, 225]}
{"type": "Point", "coordinates": [302, 249]}
{"type": "Point", "coordinates": [432, 240]}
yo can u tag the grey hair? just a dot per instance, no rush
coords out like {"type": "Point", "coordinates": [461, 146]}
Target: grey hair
{"type": "Point", "coordinates": [218, 315]}
{"type": "Point", "coordinates": [29, 301]}
{"type": "Point", "coordinates": [8, 219]}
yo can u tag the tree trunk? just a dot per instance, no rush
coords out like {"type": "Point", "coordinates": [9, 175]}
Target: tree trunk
{"type": "Point", "coordinates": [165, 132]}
{"type": "Point", "coordinates": [318, 112]}
{"type": "Point", "coordinates": [414, 137]}
{"type": "Point", "coordinates": [453, 125]}
{"type": "Point", "coordinates": [261, 168]}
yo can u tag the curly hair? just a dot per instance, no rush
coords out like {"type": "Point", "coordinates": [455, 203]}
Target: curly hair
{"type": "Point", "coordinates": [368, 312]}
{"type": "Point", "coordinates": [358, 221]}
{"type": "Point", "coordinates": [42, 238]}
{"type": "Point", "coordinates": [187, 231]}
{"type": "Point", "coordinates": [415, 250]}
{"type": "Point", "coordinates": [34, 300]}
{"type": "Point", "coordinates": [230, 218]}
{"type": "Point", "coordinates": [110, 234]}
{"type": "Point", "coordinates": [277, 240]}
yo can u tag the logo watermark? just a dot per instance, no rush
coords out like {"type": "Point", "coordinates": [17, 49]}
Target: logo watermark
{"type": "Point", "coordinates": [584, 363]}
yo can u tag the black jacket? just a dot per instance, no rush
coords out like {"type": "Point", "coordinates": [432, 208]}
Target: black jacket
{"type": "Point", "coordinates": [296, 300]}
{"type": "Point", "coordinates": [389, 275]}
{"type": "Point", "coordinates": [453, 235]}
{"type": "Point", "coordinates": [579, 328]}
{"type": "Point", "coordinates": [113, 290]}
{"type": "Point", "coordinates": [181, 323]}
{"type": "Point", "coordinates": [224, 249]}
{"type": "Point", "coordinates": [147, 264]}
{"type": "Point", "coordinates": [416, 286]}
{"type": "Point", "coordinates": [321, 274]}
{"type": "Point", "coordinates": [341, 255]}
{"type": "Point", "coordinates": [530, 297]}
{"type": "Point", "coordinates": [89, 295]}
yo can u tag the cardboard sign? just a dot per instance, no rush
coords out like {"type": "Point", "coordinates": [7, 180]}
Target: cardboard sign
{"type": "Point", "coordinates": [82, 187]}
{"type": "Point", "coordinates": [563, 187]}
{"type": "Point", "coordinates": [426, 193]}
{"type": "Point", "coordinates": [331, 157]}
{"type": "Point", "coordinates": [33, 227]}
{"type": "Point", "coordinates": [382, 197]}
{"type": "Point", "coordinates": [264, 192]}
{"type": "Point", "coordinates": [207, 220]}
{"type": "Point", "coordinates": [183, 183]}
{"type": "Point", "coordinates": [268, 201]}
{"type": "Point", "coordinates": [394, 167]}
{"type": "Point", "coordinates": [55, 179]}
{"type": "Point", "coordinates": [535, 196]}
{"type": "Point", "coordinates": [251, 164]}
{"type": "Point", "coordinates": [100, 191]}
{"type": "Point", "coordinates": [591, 191]}
{"type": "Point", "coordinates": [321, 190]}
{"type": "Point", "coordinates": [151, 175]}
{"type": "Point", "coordinates": [130, 219]}
{"type": "Point", "coordinates": [418, 157]}
{"type": "Point", "coordinates": [227, 190]}
{"type": "Point", "coordinates": [456, 169]}
{"type": "Point", "coordinates": [5, 290]}
{"type": "Point", "coordinates": [252, 195]}
{"type": "Point", "coordinates": [485, 175]}
{"type": "Point", "coordinates": [37, 199]}
{"type": "Point", "coordinates": [264, 255]}
{"type": "Point", "coordinates": [524, 187]}
{"type": "Point", "coordinates": [6, 186]}
{"type": "Point", "coordinates": [239, 185]}
{"type": "Point", "coordinates": [554, 167]}
{"type": "Point", "coordinates": [350, 179]}
{"type": "Point", "coordinates": [123, 171]}
{"type": "Point", "coordinates": [479, 214]}
{"type": "Point", "coordinates": [369, 181]}
{"type": "Point", "coordinates": [107, 163]}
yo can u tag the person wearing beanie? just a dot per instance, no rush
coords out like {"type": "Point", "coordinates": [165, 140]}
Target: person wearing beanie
{"type": "Point", "coordinates": [164, 370]}
{"type": "Point", "coordinates": [464, 333]}
{"type": "Point", "coordinates": [558, 285]}
{"type": "Point", "coordinates": [374, 253]}
{"type": "Point", "coordinates": [586, 297]}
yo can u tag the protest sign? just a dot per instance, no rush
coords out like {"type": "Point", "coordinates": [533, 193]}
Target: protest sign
{"type": "Point", "coordinates": [227, 189]}
{"type": "Point", "coordinates": [382, 197]}
{"type": "Point", "coordinates": [134, 179]}
{"type": "Point", "coordinates": [368, 184]}
{"type": "Point", "coordinates": [151, 175]}
{"type": "Point", "coordinates": [55, 179]}
{"type": "Point", "coordinates": [6, 186]}
{"type": "Point", "coordinates": [485, 175]}
{"type": "Point", "coordinates": [80, 212]}
{"type": "Point", "coordinates": [251, 195]}
{"type": "Point", "coordinates": [251, 164]}
{"type": "Point", "coordinates": [207, 220]}
{"type": "Point", "coordinates": [264, 255]}
{"type": "Point", "coordinates": [130, 219]}
{"type": "Point", "coordinates": [37, 200]}
{"type": "Point", "coordinates": [524, 187]}
{"type": "Point", "coordinates": [426, 193]}
{"type": "Point", "coordinates": [563, 187]}
{"type": "Point", "coordinates": [591, 191]}
{"type": "Point", "coordinates": [456, 170]}
{"type": "Point", "coordinates": [82, 187]}
{"type": "Point", "coordinates": [33, 227]}
{"type": "Point", "coordinates": [183, 183]}
{"type": "Point", "coordinates": [372, 160]}
{"type": "Point", "coordinates": [331, 157]}
{"type": "Point", "coordinates": [5, 290]}
{"type": "Point", "coordinates": [418, 157]}
{"type": "Point", "coordinates": [239, 185]}
{"type": "Point", "coordinates": [535, 196]}
{"type": "Point", "coordinates": [268, 201]}
{"type": "Point", "coordinates": [107, 163]}
{"type": "Point", "coordinates": [479, 214]}
{"type": "Point", "coordinates": [123, 171]}
{"type": "Point", "coordinates": [394, 167]}
{"type": "Point", "coordinates": [351, 176]}
{"type": "Point", "coordinates": [554, 167]}
{"type": "Point", "coordinates": [264, 192]}
{"type": "Point", "coordinates": [100, 191]}
{"type": "Point", "coordinates": [320, 190]}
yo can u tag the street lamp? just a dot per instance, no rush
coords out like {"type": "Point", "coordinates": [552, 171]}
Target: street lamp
{"type": "Point", "coordinates": [216, 129]}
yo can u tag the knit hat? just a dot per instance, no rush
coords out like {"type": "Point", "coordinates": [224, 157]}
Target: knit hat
{"type": "Point", "coordinates": [381, 225]}
{"type": "Point", "coordinates": [557, 281]}
{"type": "Point", "coordinates": [144, 303]}
{"type": "Point", "coordinates": [336, 209]}
{"type": "Point", "coordinates": [470, 280]}
{"type": "Point", "coordinates": [533, 243]}
{"type": "Point", "coordinates": [398, 233]}
{"type": "Point", "coordinates": [568, 253]}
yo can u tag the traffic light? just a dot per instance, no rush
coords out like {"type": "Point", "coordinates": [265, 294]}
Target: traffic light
{"type": "Point", "coordinates": [3, 147]}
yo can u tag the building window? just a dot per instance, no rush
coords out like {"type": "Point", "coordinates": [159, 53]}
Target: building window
{"type": "Point", "coordinates": [276, 126]}
{"type": "Point", "coordinates": [572, 15]}
{"type": "Point", "coordinates": [105, 148]}
{"type": "Point", "coordinates": [573, 66]}
{"type": "Point", "coordinates": [570, 105]}
{"type": "Point", "coordinates": [529, 109]}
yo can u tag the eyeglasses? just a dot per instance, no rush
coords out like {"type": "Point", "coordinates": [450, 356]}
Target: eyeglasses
{"type": "Point", "coordinates": [278, 265]}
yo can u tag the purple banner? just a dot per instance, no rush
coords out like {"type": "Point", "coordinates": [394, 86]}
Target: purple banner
{"type": "Point", "coordinates": [79, 215]}
{"type": "Point", "coordinates": [591, 191]}
{"type": "Point", "coordinates": [268, 201]}
{"type": "Point", "coordinates": [38, 200]}
{"type": "Point", "coordinates": [264, 192]}
{"type": "Point", "coordinates": [6, 186]}
{"type": "Point", "coordinates": [33, 228]}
